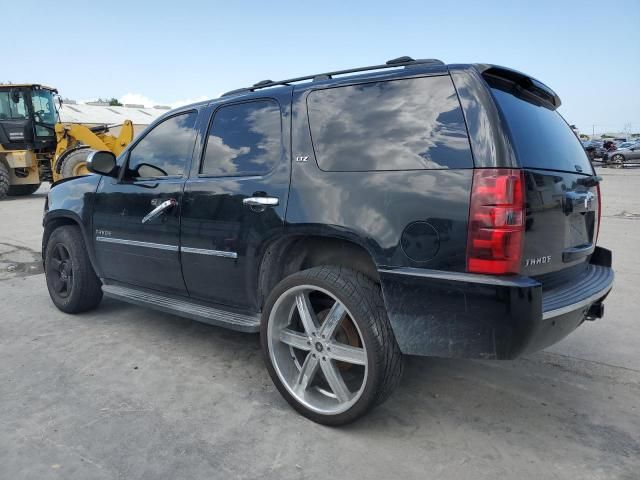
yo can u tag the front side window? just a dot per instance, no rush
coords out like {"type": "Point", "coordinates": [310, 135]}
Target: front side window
{"type": "Point", "coordinates": [12, 105]}
{"type": "Point", "coordinates": [244, 139]}
{"type": "Point", "coordinates": [165, 150]}
{"type": "Point", "coordinates": [408, 124]}
{"type": "Point", "coordinates": [44, 111]}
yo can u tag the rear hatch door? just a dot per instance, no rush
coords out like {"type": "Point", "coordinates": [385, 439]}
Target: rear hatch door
{"type": "Point", "coordinates": [561, 189]}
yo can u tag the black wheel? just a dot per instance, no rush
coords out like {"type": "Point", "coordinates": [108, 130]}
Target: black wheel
{"type": "Point", "coordinates": [73, 285]}
{"type": "Point", "coordinates": [4, 181]}
{"type": "Point", "coordinates": [328, 344]}
{"type": "Point", "coordinates": [19, 190]}
{"type": "Point", "coordinates": [75, 163]}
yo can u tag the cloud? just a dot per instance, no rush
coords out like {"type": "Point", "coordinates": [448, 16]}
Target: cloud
{"type": "Point", "coordinates": [140, 99]}
{"type": "Point", "coordinates": [137, 99]}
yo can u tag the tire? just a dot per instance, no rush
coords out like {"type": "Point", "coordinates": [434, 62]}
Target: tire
{"type": "Point", "coordinates": [4, 180]}
{"type": "Point", "coordinates": [617, 161]}
{"type": "Point", "coordinates": [74, 163]}
{"type": "Point", "coordinates": [363, 312]}
{"type": "Point", "coordinates": [67, 263]}
{"type": "Point", "coordinates": [20, 190]}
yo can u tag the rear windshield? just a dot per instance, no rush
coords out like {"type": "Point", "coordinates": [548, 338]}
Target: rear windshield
{"type": "Point", "coordinates": [541, 137]}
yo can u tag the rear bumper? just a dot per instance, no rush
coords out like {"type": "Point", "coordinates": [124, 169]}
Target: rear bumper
{"type": "Point", "coordinates": [448, 314]}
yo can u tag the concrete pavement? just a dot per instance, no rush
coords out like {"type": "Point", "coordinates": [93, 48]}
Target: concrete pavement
{"type": "Point", "coordinates": [126, 393]}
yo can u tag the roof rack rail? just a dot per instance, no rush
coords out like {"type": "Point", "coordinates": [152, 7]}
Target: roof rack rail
{"type": "Point", "coordinates": [393, 63]}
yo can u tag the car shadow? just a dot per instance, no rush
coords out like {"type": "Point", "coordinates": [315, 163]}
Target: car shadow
{"type": "Point", "coordinates": [116, 311]}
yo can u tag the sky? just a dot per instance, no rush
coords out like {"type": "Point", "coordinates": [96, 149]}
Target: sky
{"type": "Point", "coordinates": [175, 52]}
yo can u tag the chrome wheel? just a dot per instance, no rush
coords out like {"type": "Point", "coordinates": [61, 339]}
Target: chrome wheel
{"type": "Point", "coordinates": [617, 161]}
{"type": "Point", "coordinates": [317, 349]}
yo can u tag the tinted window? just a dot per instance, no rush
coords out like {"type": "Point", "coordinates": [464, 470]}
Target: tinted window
{"type": "Point", "coordinates": [394, 125]}
{"type": "Point", "coordinates": [165, 150]}
{"type": "Point", "coordinates": [244, 139]}
{"type": "Point", "coordinates": [541, 137]}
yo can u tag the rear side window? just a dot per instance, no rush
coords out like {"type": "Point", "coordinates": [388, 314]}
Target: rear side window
{"type": "Point", "coordinates": [409, 124]}
{"type": "Point", "coordinates": [541, 137]}
{"type": "Point", "coordinates": [244, 139]}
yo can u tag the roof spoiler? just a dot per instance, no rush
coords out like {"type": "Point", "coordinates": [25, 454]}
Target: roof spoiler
{"type": "Point", "coordinates": [523, 82]}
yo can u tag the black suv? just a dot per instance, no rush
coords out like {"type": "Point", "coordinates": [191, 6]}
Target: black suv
{"type": "Point", "coordinates": [350, 217]}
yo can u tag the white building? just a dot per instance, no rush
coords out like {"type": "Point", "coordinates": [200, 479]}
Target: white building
{"type": "Point", "coordinates": [96, 113]}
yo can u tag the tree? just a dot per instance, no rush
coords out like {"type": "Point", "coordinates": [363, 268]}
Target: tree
{"type": "Point", "coordinates": [113, 101]}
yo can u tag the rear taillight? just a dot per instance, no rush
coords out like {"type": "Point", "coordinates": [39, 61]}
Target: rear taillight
{"type": "Point", "coordinates": [496, 221]}
{"type": "Point", "coordinates": [599, 211]}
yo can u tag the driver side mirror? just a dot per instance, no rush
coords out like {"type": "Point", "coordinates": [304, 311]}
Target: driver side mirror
{"type": "Point", "coordinates": [102, 163]}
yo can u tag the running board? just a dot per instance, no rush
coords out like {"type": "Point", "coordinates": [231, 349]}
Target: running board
{"type": "Point", "coordinates": [213, 316]}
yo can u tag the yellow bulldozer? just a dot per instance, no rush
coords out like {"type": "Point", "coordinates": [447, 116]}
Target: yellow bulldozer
{"type": "Point", "coordinates": [36, 147]}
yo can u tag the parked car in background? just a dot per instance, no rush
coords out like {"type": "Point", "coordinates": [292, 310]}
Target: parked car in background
{"type": "Point", "coordinates": [620, 156]}
{"type": "Point", "coordinates": [594, 149]}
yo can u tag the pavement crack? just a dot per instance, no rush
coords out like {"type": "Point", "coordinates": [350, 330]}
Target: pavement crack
{"type": "Point", "coordinates": [595, 362]}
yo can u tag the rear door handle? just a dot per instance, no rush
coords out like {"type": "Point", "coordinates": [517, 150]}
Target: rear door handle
{"type": "Point", "coordinates": [172, 202]}
{"type": "Point", "coordinates": [261, 201]}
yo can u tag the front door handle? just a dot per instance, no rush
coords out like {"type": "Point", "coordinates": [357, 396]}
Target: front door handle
{"type": "Point", "coordinates": [172, 202]}
{"type": "Point", "coordinates": [261, 202]}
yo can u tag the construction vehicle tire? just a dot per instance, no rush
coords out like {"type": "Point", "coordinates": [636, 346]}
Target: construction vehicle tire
{"type": "Point", "coordinates": [75, 164]}
{"type": "Point", "coordinates": [19, 190]}
{"type": "Point", "coordinates": [4, 180]}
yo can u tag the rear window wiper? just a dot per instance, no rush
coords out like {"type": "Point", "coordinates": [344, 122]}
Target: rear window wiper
{"type": "Point", "coordinates": [590, 181]}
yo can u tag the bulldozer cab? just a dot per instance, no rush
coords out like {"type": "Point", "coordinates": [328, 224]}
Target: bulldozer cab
{"type": "Point", "coordinates": [28, 116]}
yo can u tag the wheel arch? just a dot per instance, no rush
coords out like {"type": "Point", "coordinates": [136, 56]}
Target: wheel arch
{"type": "Point", "coordinates": [295, 252]}
{"type": "Point", "coordinates": [60, 218]}
{"type": "Point", "coordinates": [54, 220]}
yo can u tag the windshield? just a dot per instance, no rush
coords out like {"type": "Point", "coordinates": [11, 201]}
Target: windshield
{"type": "Point", "coordinates": [44, 111]}
{"type": "Point", "coordinates": [541, 137]}
{"type": "Point", "coordinates": [12, 106]}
